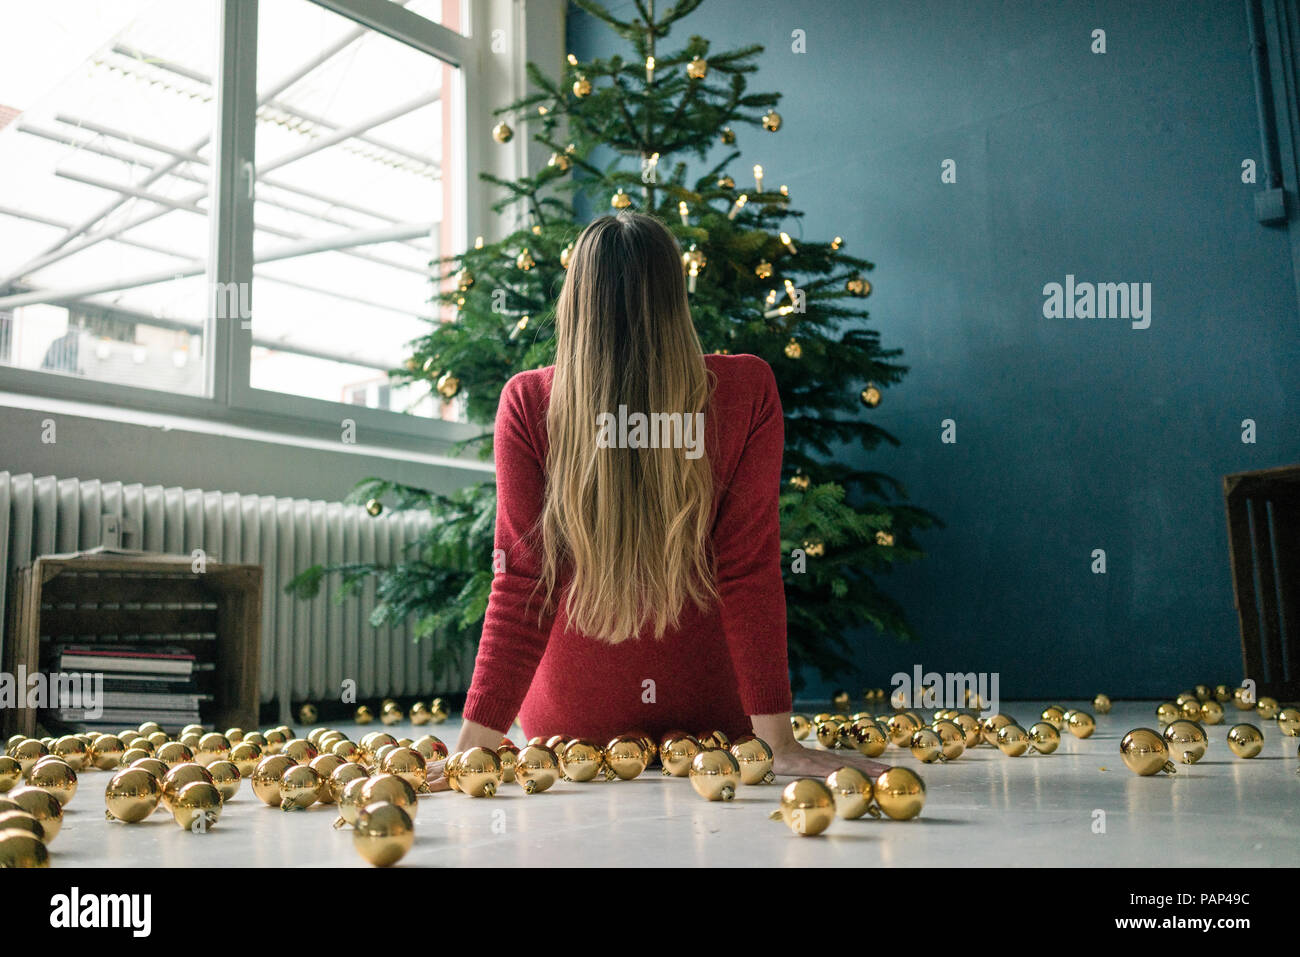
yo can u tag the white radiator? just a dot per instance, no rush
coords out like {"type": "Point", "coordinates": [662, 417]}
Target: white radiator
{"type": "Point", "coordinates": [309, 648]}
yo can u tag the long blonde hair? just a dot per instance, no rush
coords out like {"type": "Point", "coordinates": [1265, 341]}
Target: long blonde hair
{"type": "Point", "coordinates": [629, 525]}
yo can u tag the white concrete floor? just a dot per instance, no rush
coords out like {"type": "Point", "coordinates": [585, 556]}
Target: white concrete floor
{"type": "Point", "coordinates": [982, 809]}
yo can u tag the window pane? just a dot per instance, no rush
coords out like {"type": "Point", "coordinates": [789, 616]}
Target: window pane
{"type": "Point", "coordinates": [354, 199]}
{"type": "Point", "coordinates": [106, 113]}
{"type": "Point", "coordinates": [452, 14]}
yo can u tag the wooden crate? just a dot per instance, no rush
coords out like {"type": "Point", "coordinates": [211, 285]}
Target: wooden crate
{"type": "Point", "coordinates": [142, 599]}
{"type": "Point", "coordinates": [1264, 548]}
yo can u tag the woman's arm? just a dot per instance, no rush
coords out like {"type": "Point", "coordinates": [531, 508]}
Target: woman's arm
{"type": "Point", "coordinates": [789, 757]}
{"type": "Point", "coordinates": [513, 639]}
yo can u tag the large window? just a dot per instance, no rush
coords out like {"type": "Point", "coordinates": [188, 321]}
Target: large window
{"type": "Point", "coordinates": [141, 153]}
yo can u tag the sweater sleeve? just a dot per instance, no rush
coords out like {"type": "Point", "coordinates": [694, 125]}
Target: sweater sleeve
{"type": "Point", "coordinates": [513, 640]}
{"type": "Point", "coordinates": [747, 543]}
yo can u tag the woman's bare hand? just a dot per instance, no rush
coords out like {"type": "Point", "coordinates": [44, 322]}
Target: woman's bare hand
{"type": "Point", "coordinates": [798, 761]}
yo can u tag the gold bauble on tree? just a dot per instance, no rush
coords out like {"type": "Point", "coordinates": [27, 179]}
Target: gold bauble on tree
{"type": "Point", "coordinates": [560, 161]}
{"type": "Point", "coordinates": [525, 260]}
{"type": "Point", "coordinates": [763, 270]}
{"type": "Point", "coordinates": [448, 385]}
{"type": "Point", "coordinates": [581, 86]}
{"type": "Point", "coordinates": [870, 396]}
{"type": "Point", "coordinates": [502, 132]}
{"type": "Point", "coordinates": [857, 286]}
{"type": "Point", "coordinates": [727, 136]}
{"type": "Point", "coordinates": [885, 539]}
{"type": "Point", "coordinates": [793, 350]}
{"type": "Point", "coordinates": [698, 68]}
{"type": "Point", "coordinates": [726, 182]}
{"type": "Point", "coordinates": [620, 200]}
{"type": "Point", "coordinates": [771, 121]}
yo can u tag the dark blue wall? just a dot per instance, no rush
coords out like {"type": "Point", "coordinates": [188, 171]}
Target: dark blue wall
{"type": "Point", "coordinates": [1072, 434]}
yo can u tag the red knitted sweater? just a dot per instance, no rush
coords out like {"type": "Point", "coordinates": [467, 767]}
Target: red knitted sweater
{"type": "Point", "coordinates": [719, 665]}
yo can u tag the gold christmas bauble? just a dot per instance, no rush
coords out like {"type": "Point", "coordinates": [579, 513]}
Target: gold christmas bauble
{"type": "Point", "coordinates": [827, 731]}
{"type": "Point", "coordinates": [1168, 711]}
{"type": "Point", "coordinates": [479, 772]}
{"type": "Point", "coordinates": [1186, 740]}
{"type": "Point", "coordinates": [1288, 722]}
{"type": "Point", "coordinates": [1145, 752]}
{"type": "Point", "coordinates": [852, 791]}
{"type": "Point", "coordinates": [970, 728]}
{"type": "Point", "coordinates": [1080, 723]}
{"type": "Point", "coordinates": [926, 745]}
{"type": "Point", "coordinates": [374, 508]}
{"type": "Point", "coordinates": [212, 747]}
{"type": "Point", "coordinates": [728, 136]}
{"type": "Point", "coordinates": [197, 807]}
{"type": "Point", "coordinates": [807, 807]}
{"type": "Point", "coordinates": [152, 765]}
{"type": "Point", "coordinates": [275, 741]}
{"type": "Point", "coordinates": [755, 759]}
{"type": "Point", "coordinates": [105, 752]}
{"type": "Point", "coordinates": [132, 795]}
{"type": "Point", "coordinates": [1222, 694]}
{"type": "Point", "coordinates": [991, 725]}
{"type": "Point", "coordinates": [620, 200]}
{"type": "Point", "coordinates": [349, 797]}
{"type": "Point", "coordinates": [257, 738]}
{"type": "Point", "coordinates": [20, 849]}
{"type": "Point", "coordinates": [226, 776]}
{"type": "Point", "coordinates": [383, 833]}
{"type": "Point", "coordinates": [1211, 712]}
{"type": "Point", "coordinates": [1266, 708]}
{"type": "Point", "coordinates": [451, 770]}
{"type": "Point", "coordinates": [299, 787]}
{"type": "Point", "coordinates": [420, 714]}
{"type": "Point", "coordinates": [763, 270]}
{"type": "Point", "coordinates": [308, 713]}
{"type": "Point", "coordinates": [715, 774]}
{"type": "Point", "coordinates": [27, 753]}
{"type": "Point", "coordinates": [1044, 737]}
{"type": "Point", "coordinates": [800, 725]}
{"type": "Point", "coordinates": [952, 740]}
{"type": "Point", "coordinates": [1203, 693]}
{"type": "Point", "coordinates": [1243, 699]}
{"type": "Point", "coordinates": [74, 751]}
{"type": "Point", "coordinates": [245, 756]}
{"type": "Point", "coordinates": [301, 750]}
{"type": "Point", "coordinates": [713, 739]}
{"type": "Point", "coordinates": [885, 539]}
{"type": "Point", "coordinates": [1190, 709]}
{"type": "Point", "coordinates": [266, 778]}
{"type": "Point", "coordinates": [431, 747]}
{"type": "Point", "coordinates": [55, 777]}
{"type": "Point", "coordinates": [1012, 740]}
{"type": "Point", "coordinates": [502, 132]}
{"type": "Point", "coordinates": [391, 789]}
{"type": "Point", "coordinates": [178, 777]}
{"type": "Point", "coordinates": [508, 755]}
{"type": "Point", "coordinates": [1101, 704]}
{"type": "Point", "coordinates": [43, 806]}
{"type": "Point", "coordinates": [857, 286]}
{"type": "Point", "coordinates": [1055, 716]}
{"type": "Point", "coordinates": [625, 756]}
{"type": "Point", "coordinates": [899, 728]}
{"type": "Point", "coordinates": [11, 772]}
{"type": "Point", "coordinates": [771, 121]}
{"type": "Point", "coordinates": [20, 820]}
{"type": "Point", "coordinates": [698, 68]}
{"type": "Point", "coordinates": [448, 385]}
{"type": "Point", "coordinates": [1245, 740]}
{"type": "Point", "coordinates": [560, 161]}
{"type": "Point", "coordinates": [580, 760]}
{"type": "Point", "coordinates": [726, 182]}
{"type": "Point", "coordinates": [581, 87]}
{"type": "Point", "coordinates": [794, 351]}
{"type": "Point", "coordinates": [525, 260]}
{"type": "Point", "coordinates": [900, 793]}
{"type": "Point", "coordinates": [363, 715]}
{"type": "Point", "coordinates": [409, 765]}
{"type": "Point", "coordinates": [339, 778]}
{"type": "Point", "coordinates": [676, 752]}
{"type": "Point", "coordinates": [870, 396]}
{"type": "Point", "coordinates": [566, 256]}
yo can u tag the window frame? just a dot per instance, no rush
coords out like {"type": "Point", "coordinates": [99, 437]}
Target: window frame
{"type": "Point", "coordinates": [228, 346]}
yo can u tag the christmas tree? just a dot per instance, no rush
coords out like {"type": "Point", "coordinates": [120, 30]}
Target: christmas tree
{"type": "Point", "coordinates": [757, 285]}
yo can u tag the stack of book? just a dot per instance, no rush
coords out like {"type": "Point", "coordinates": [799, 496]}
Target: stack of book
{"type": "Point", "coordinates": [112, 686]}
